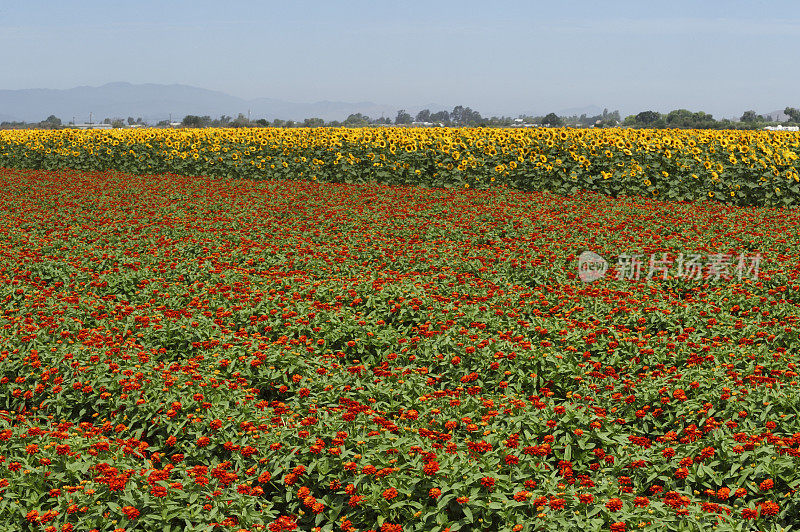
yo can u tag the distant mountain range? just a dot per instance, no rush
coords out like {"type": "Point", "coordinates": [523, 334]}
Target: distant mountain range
{"type": "Point", "coordinates": [777, 116]}
{"type": "Point", "coordinates": [154, 102]}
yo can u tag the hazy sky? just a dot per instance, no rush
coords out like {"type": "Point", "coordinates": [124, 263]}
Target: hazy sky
{"type": "Point", "coordinates": [720, 56]}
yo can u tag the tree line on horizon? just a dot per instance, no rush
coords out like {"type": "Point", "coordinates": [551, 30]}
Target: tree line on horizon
{"type": "Point", "coordinates": [460, 116]}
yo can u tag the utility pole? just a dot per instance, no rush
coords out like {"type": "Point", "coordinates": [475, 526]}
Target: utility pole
{"type": "Point", "coordinates": [248, 116]}
{"type": "Point", "coordinates": [90, 118]}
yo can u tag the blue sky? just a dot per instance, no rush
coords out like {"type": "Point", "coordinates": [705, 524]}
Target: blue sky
{"type": "Point", "coordinates": [722, 57]}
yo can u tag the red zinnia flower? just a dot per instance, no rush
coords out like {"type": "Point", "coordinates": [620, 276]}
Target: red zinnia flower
{"type": "Point", "coordinates": [614, 504]}
{"type": "Point", "coordinates": [769, 508]}
{"type": "Point", "coordinates": [641, 502]}
{"type": "Point", "coordinates": [557, 504]}
{"type": "Point", "coordinates": [130, 512]}
{"type": "Point", "coordinates": [390, 494]}
{"type": "Point", "coordinates": [355, 500]}
{"type": "Point", "coordinates": [431, 468]}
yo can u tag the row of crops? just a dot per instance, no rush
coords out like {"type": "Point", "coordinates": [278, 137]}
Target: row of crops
{"type": "Point", "coordinates": [739, 167]}
{"type": "Point", "coordinates": [189, 353]}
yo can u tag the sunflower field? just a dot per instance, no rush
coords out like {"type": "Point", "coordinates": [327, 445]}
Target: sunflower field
{"type": "Point", "coordinates": [183, 352]}
{"type": "Point", "coordinates": [736, 167]}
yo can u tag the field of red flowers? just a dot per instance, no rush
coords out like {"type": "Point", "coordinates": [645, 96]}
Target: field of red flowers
{"type": "Point", "coordinates": [182, 353]}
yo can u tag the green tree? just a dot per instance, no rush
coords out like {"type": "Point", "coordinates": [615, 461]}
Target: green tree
{"type": "Point", "coordinates": [704, 120]}
{"type": "Point", "coordinates": [403, 117]}
{"type": "Point", "coordinates": [313, 122]}
{"type": "Point", "coordinates": [749, 116]}
{"type": "Point", "coordinates": [442, 117]}
{"type": "Point", "coordinates": [356, 120]}
{"type": "Point", "coordinates": [793, 114]}
{"type": "Point", "coordinates": [241, 121]}
{"type": "Point", "coordinates": [552, 119]}
{"type": "Point", "coordinates": [457, 115]}
{"type": "Point", "coordinates": [222, 121]}
{"type": "Point", "coordinates": [646, 118]}
{"type": "Point", "coordinates": [52, 122]}
{"type": "Point", "coordinates": [612, 117]}
{"type": "Point", "coordinates": [196, 121]}
{"type": "Point", "coordinates": [470, 117]}
{"type": "Point", "coordinates": [683, 118]}
{"type": "Point", "coordinates": [679, 117]}
{"type": "Point", "coordinates": [607, 119]}
{"type": "Point", "coordinates": [424, 116]}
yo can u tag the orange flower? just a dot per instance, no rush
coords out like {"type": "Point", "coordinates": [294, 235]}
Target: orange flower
{"type": "Point", "coordinates": [130, 512]}
{"type": "Point", "coordinates": [769, 508]}
{"type": "Point", "coordinates": [614, 504]}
